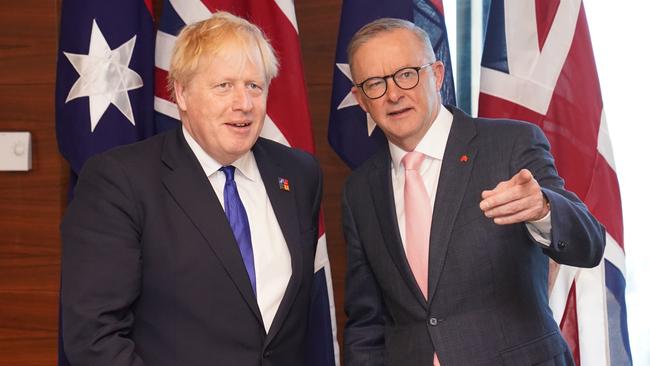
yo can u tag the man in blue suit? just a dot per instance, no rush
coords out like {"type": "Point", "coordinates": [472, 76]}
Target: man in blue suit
{"type": "Point", "coordinates": [451, 226]}
{"type": "Point", "coordinates": [196, 247]}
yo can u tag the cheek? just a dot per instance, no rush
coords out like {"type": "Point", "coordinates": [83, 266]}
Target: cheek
{"type": "Point", "coordinates": [426, 100]}
{"type": "Point", "coordinates": [259, 107]}
{"type": "Point", "coordinates": [213, 109]}
{"type": "Point", "coordinates": [374, 107]}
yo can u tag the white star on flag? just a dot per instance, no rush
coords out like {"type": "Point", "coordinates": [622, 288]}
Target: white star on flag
{"type": "Point", "coordinates": [350, 100]}
{"type": "Point", "coordinates": [104, 77]}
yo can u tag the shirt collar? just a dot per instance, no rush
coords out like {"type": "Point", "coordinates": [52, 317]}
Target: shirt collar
{"type": "Point", "coordinates": [433, 142]}
{"type": "Point", "coordinates": [245, 164]}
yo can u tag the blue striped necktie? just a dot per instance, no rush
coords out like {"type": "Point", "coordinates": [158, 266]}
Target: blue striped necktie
{"type": "Point", "coordinates": [236, 214]}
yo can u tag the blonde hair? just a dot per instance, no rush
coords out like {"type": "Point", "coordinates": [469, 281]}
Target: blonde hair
{"type": "Point", "coordinates": [209, 37]}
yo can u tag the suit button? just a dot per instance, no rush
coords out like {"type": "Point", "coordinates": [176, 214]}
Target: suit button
{"type": "Point", "coordinates": [561, 244]}
{"type": "Point", "coordinates": [433, 322]}
{"type": "Point", "coordinates": [267, 354]}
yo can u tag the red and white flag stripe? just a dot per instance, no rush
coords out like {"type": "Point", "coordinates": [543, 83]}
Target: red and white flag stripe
{"type": "Point", "coordinates": [551, 80]}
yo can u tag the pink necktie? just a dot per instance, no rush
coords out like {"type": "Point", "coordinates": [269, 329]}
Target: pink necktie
{"type": "Point", "coordinates": [418, 213]}
{"type": "Point", "coordinates": [417, 210]}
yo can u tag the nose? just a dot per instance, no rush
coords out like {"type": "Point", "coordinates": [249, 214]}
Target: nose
{"type": "Point", "coordinates": [242, 100]}
{"type": "Point", "coordinates": [393, 92]}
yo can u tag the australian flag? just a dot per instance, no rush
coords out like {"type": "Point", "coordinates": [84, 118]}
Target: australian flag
{"type": "Point", "coordinates": [104, 87]}
{"type": "Point", "coordinates": [353, 133]}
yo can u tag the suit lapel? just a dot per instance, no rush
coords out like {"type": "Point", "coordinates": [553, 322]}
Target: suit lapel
{"type": "Point", "coordinates": [285, 209]}
{"type": "Point", "coordinates": [187, 184]}
{"type": "Point", "coordinates": [381, 188]}
{"type": "Point", "coordinates": [455, 172]}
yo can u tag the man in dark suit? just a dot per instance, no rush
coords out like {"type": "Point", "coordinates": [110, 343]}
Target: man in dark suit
{"type": "Point", "coordinates": [196, 247]}
{"type": "Point", "coordinates": [450, 227]}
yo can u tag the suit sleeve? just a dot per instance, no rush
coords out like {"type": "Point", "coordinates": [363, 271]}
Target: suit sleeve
{"type": "Point", "coordinates": [577, 238]}
{"type": "Point", "coordinates": [364, 329]}
{"type": "Point", "coordinates": [101, 268]}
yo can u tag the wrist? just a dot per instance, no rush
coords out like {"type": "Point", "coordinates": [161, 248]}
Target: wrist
{"type": "Point", "coordinates": [546, 208]}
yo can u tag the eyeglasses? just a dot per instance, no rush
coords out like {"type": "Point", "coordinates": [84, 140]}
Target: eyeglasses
{"type": "Point", "coordinates": [405, 78]}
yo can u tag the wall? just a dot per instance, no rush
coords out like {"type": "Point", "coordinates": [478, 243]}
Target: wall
{"type": "Point", "coordinates": [31, 203]}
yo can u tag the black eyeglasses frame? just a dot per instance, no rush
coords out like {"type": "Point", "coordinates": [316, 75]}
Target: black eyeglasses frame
{"type": "Point", "coordinates": [392, 76]}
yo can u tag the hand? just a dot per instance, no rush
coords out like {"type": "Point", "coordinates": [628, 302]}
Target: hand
{"type": "Point", "coordinates": [516, 200]}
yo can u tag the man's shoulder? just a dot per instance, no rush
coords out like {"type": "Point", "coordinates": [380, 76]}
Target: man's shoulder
{"type": "Point", "coordinates": [503, 135]}
{"type": "Point", "coordinates": [140, 149]}
{"type": "Point", "coordinates": [499, 126]}
{"type": "Point", "coordinates": [140, 155]}
{"type": "Point", "coordinates": [283, 154]}
{"type": "Point", "coordinates": [377, 163]}
{"type": "Point", "coordinates": [494, 132]}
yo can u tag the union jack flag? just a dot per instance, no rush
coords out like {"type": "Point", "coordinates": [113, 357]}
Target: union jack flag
{"type": "Point", "coordinates": [538, 66]}
{"type": "Point", "coordinates": [287, 122]}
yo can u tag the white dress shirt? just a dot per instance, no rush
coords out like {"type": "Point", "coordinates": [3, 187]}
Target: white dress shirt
{"type": "Point", "coordinates": [433, 146]}
{"type": "Point", "coordinates": [270, 251]}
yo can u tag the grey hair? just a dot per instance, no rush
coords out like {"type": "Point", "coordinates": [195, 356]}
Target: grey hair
{"type": "Point", "coordinates": [383, 25]}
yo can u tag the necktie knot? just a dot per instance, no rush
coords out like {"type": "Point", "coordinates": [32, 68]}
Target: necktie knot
{"type": "Point", "coordinates": [229, 171]}
{"type": "Point", "coordinates": [413, 160]}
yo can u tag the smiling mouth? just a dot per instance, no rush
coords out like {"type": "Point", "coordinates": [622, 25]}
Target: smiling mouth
{"type": "Point", "coordinates": [239, 124]}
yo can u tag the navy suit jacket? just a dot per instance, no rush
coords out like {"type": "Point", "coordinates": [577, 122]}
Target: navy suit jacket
{"type": "Point", "coordinates": [488, 302]}
{"type": "Point", "coordinates": [151, 272]}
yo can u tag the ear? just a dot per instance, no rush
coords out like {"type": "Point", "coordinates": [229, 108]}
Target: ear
{"type": "Point", "coordinates": [179, 96]}
{"type": "Point", "coordinates": [359, 97]}
{"type": "Point", "coordinates": [439, 72]}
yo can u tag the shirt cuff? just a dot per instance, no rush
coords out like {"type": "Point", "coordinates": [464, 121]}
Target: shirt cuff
{"type": "Point", "coordinates": [540, 229]}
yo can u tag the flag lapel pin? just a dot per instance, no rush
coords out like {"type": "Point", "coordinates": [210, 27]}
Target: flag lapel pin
{"type": "Point", "coordinates": [284, 184]}
{"type": "Point", "coordinates": [464, 158]}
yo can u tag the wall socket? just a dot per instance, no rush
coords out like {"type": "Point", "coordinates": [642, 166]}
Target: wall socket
{"type": "Point", "coordinates": [15, 151]}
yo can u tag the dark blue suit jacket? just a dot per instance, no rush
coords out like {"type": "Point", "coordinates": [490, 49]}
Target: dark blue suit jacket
{"type": "Point", "coordinates": [488, 302]}
{"type": "Point", "coordinates": [152, 274]}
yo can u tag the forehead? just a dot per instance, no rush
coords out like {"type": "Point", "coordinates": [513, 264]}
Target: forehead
{"type": "Point", "coordinates": [234, 60]}
{"type": "Point", "coordinates": [386, 52]}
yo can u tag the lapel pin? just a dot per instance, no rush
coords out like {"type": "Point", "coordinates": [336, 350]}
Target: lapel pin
{"type": "Point", "coordinates": [464, 159]}
{"type": "Point", "coordinates": [284, 184]}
